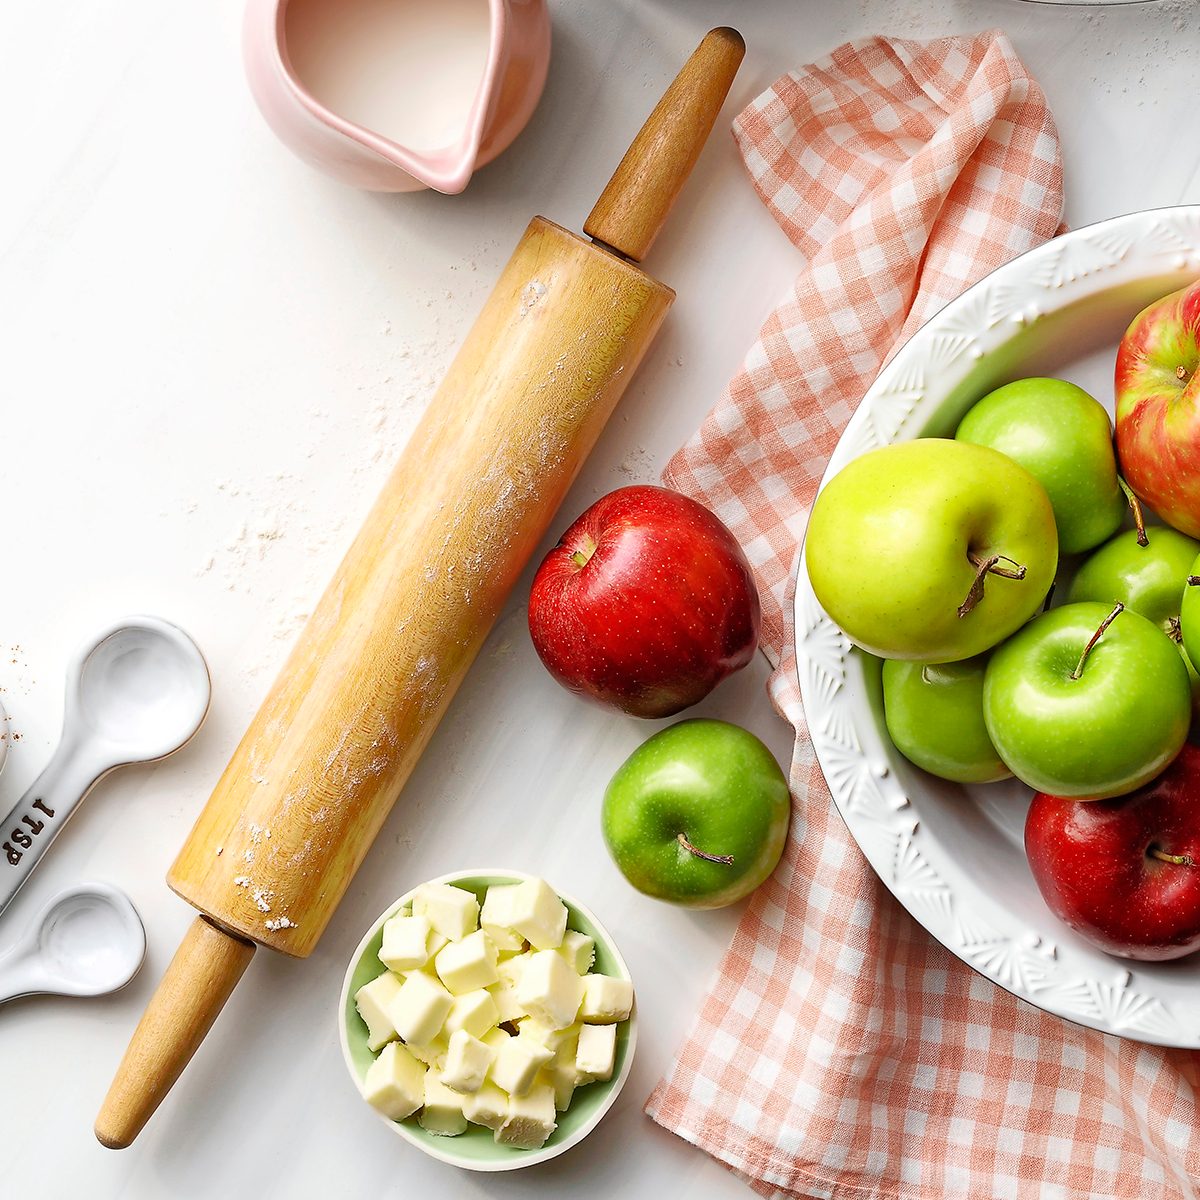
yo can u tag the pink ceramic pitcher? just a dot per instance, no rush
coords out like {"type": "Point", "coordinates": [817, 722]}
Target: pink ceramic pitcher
{"type": "Point", "coordinates": [397, 95]}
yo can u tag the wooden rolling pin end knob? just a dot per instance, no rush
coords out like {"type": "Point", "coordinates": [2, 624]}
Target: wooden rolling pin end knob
{"type": "Point", "coordinates": [200, 978]}
{"type": "Point", "coordinates": [633, 207]}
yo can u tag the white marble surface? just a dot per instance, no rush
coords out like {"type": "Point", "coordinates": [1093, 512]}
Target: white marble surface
{"type": "Point", "coordinates": [209, 356]}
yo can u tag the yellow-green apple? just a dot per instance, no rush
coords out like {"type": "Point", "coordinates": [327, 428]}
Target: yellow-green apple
{"type": "Point", "coordinates": [698, 814]}
{"type": "Point", "coordinates": [1125, 873]}
{"type": "Point", "coordinates": [931, 550]}
{"type": "Point", "coordinates": [1149, 579]}
{"type": "Point", "coordinates": [934, 715]}
{"type": "Point", "coordinates": [1158, 407]}
{"type": "Point", "coordinates": [1063, 437]}
{"type": "Point", "coordinates": [1087, 701]}
{"type": "Point", "coordinates": [646, 603]}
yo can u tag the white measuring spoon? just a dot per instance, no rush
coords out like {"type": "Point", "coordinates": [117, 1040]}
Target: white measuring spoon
{"type": "Point", "coordinates": [137, 693]}
{"type": "Point", "coordinates": [88, 940]}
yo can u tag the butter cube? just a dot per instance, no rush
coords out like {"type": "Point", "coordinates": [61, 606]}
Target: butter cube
{"type": "Point", "coordinates": [508, 1007]}
{"type": "Point", "coordinates": [549, 989]}
{"type": "Point", "coordinates": [496, 1038]}
{"type": "Point", "coordinates": [443, 1112]}
{"type": "Point", "coordinates": [488, 1106]}
{"type": "Point", "coordinates": [419, 1008]}
{"type": "Point", "coordinates": [561, 1073]}
{"type": "Point", "coordinates": [405, 943]}
{"type": "Point", "coordinates": [372, 1001]}
{"type": "Point", "coordinates": [436, 942]}
{"type": "Point", "coordinates": [395, 1083]}
{"type": "Point", "coordinates": [475, 1012]}
{"type": "Point", "coordinates": [510, 969]}
{"type": "Point", "coordinates": [579, 950]}
{"type": "Point", "coordinates": [517, 1063]}
{"type": "Point", "coordinates": [595, 1054]}
{"type": "Point", "coordinates": [496, 918]}
{"type": "Point", "coordinates": [605, 999]}
{"type": "Point", "coordinates": [537, 914]}
{"type": "Point", "coordinates": [468, 964]}
{"type": "Point", "coordinates": [432, 1054]}
{"type": "Point", "coordinates": [467, 1062]}
{"type": "Point", "coordinates": [452, 911]}
{"type": "Point", "coordinates": [561, 1078]}
{"type": "Point", "coordinates": [545, 1034]}
{"type": "Point", "coordinates": [530, 1119]}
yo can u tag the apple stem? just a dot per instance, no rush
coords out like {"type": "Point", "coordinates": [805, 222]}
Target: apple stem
{"type": "Point", "coordinates": [1180, 860]}
{"type": "Point", "coordinates": [724, 859]}
{"type": "Point", "coordinates": [1135, 506]}
{"type": "Point", "coordinates": [1174, 630]}
{"type": "Point", "coordinates": [1112, 616]}
{"type": "Point", "coordinates": [1182, 374]}
{"type": "Point", "coordinates": [1193, 580]}
{"type": "Point", "coordinates": [982, 567]}
{"type": "Point", "coordinates": [581, 556]}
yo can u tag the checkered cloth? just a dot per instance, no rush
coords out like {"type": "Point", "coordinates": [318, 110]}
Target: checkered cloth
{"type": "Point", "coordinates": [841, 1052]}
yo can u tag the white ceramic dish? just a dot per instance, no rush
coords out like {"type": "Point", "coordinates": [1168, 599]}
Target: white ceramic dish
{"type": "Point", "coordinates": [954, 855]}
{"type": "Point", "coordinates": [475, 1150]}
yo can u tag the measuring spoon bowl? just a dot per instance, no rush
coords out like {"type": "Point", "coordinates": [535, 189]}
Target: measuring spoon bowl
{"type": "Point", "coordinates": [137, 692]}
{"type": "Point", "coordinates": [87, 941]}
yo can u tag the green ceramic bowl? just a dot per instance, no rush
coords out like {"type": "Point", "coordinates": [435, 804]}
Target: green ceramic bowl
{"type": "Point", "coordinates": [476, 1150]}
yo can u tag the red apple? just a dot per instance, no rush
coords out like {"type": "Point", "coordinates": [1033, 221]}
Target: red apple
{"type": "Point", "coordinates": [1125, 873]}
{"type": "Point", "coordinates": [1158, 407]}
{"type": "Point", "coordinates": [646, 603]}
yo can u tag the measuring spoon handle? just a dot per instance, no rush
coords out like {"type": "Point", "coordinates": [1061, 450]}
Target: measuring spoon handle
{"type": "Point", "coordinates": [34, 821]}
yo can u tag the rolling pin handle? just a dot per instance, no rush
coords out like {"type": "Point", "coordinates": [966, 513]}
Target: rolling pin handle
{"type": "Point", "coordinates": [635, 204]}
{"type": "Point", "coordinates": [203, 973]}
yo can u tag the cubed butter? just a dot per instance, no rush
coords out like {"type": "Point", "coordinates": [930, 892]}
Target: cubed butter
{"type": "Point", "coordinates": [561, 1077]}
{"type": "Point", "coordinates": [549, 989]}
{"type": "Point", "coordinates": [488, 1106]}
{"type": "Point", "coordinates": [537, 914]}
{"type": "Point", "coordinates": [467, 1062]}
{"type": "Point", "coordinates": [395, 1083]}
{"type": "Point", "coordinates": [452, 911]}
{"type": "Point", "coordinates": [517, 1063]}
{"type": "Point", "coordinates": [496, 916]}
{"type": "Point", "coordinates": [561, 1071]}
{"type": "Point", "coordinates": [547, 1035]}
{"type": "Point", "coordinates": [596, 1053]}
{"type": "Point", "coordinates": [468, 964]}
{"type": "Point", "coordinates": [432, 1054]}
{"type": "Point", "coordinates": [442, 1112]}
{"type": "Point", "coordinates": [419, 1008]}
{"type": "Point", "coordinates": [476, 1012]}
{"type": "Point", "coordinates": [605, 999]}
{"type": "Point", "coordinates": [508, 1007]}
{"type": "Point", "coordinates": [579, 950]}
{"type": "Point", "coordinates": [530, 1120]}
{"type": "Point", "coordinates": [405, 943]}
{"type": "Point", "coordinates": [496, 1038]}
{"type": "Point", "coordinates": [373, 1001]}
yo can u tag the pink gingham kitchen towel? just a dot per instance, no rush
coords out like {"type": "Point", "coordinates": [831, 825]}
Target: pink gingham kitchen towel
{"type": "Point", "coordinates": [842, 1053]}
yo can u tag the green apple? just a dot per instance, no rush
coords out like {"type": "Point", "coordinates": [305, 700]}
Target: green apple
{"type": "Point", "coordinates": [1149, 579]}
{"type": "Point", "coordinates": [1063, 437]}
{"type": "Point", "coordinates": [1088, 701]}
{"type": "Point", "coordinates": [931, 550]}
{"type": "Point", "coordinates": [1189, 615]}
{"type": "Point", "coordinates": [698, 814]}
{"type": "Point", "coordinates": [934, 715]}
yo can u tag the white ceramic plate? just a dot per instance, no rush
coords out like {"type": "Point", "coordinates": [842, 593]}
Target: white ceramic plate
{"type": "Point", "coordinates": [954, 855]}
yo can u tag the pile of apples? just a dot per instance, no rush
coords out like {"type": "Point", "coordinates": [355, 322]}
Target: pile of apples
{"type": "Point", "coordinates": [941, 556]}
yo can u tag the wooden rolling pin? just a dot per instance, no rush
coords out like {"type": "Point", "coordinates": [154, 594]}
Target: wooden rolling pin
{"type": "Point", "coordinates": [385, 650]}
